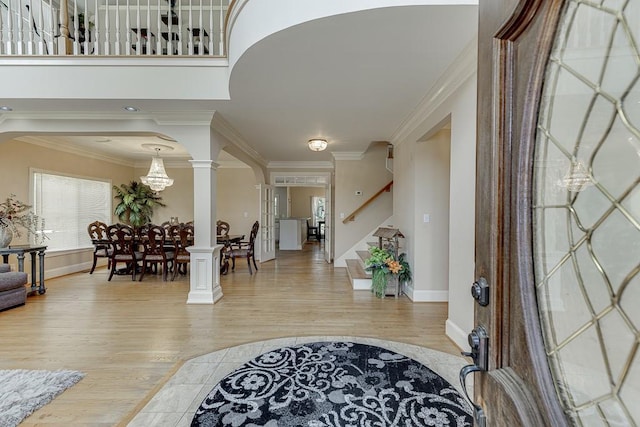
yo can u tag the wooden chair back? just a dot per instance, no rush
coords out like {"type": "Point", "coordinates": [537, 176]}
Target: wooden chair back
{"type": "Point", "coordinates": [222, 228]}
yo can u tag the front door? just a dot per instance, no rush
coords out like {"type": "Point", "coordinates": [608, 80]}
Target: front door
{"type": "Point", "coordinates": [558, 214]}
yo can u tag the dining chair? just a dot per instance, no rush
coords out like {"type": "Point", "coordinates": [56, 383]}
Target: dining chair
{"type": "Point", "coordinates": [124, 246]}
{"type": "Point", "coordinates": [182, 237]}
{"type": "Point", "coordinates": [312, 231]}
{"type": "Point", "coordinates": [101, 248]}
{"type": "Point", "coordinates": [245, 249]}
{"type": "Point", "coordinates": [154, 252]}
{"type": "Point", "coordinates": [222, 228]}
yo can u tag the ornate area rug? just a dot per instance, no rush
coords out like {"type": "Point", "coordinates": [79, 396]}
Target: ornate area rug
{"type": "Point", "coordinates": [22, 392]}
{"type": "Point", "coordinates": [333, 384]}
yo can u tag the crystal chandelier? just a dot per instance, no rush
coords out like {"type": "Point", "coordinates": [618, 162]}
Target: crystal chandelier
{"type": "Point", "coordinates": [157, 178]}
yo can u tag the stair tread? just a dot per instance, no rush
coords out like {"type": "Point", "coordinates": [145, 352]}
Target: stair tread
{"type": "Point", "coordinates": [363, 254]}
{"type": "Point", "coordinates": [355, 270]}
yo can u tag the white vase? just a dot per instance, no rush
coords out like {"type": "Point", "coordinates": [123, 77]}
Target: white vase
{"type": "Point", "coordinates": [6, 235]}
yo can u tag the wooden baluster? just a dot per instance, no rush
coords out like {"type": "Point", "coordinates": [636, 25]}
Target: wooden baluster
{"type": "Point", "coordinates": [53, 27]}
{"type": "Point", "coordinates": [221, 51]}
{"type": "Point", "coordinates": [118, 41]}
{"type": "Point", "coordinates": [30, 29]}
{"type": "Point", "coordinates": [211, 30]}
{"type": "Point", "coordinates": [96, 31]}
{"type": "Point", "coordinates": [138, 35]}
{"type": "Point", "coordinates": [107, 30]}
{"type": "Point", "coordinates": [180, 27]}
{"type": "Point", "coordinates": [200, 31]}
{"type": "Point", "coordinates": [64, 41]}
{"type": "Point", "coordinates": [9, 41]}
{"type": "Point", "coordinates": [2, 24]}
{"type": "Point", "coordinates": [87, 30]}
{"type": "Point", "coordinates": [159, 31]}
{"type": "Point", "coordinates": [20, 38]}
{"type": "Point", "coordinates": [190, 45]}
{"type": "Point", "coordinates": [170, 40]}
{"type": "Point", "coordinates": [148, 38]}
{"type": "Point", "coordinates": [41, 50]}
{"type": "Point", "coordinates": [76, 30]}
{"type": "Point", "coordinates": [127, 22]}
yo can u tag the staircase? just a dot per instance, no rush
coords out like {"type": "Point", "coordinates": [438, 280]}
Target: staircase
{"type": "Point", "coordinates": [359, 278]}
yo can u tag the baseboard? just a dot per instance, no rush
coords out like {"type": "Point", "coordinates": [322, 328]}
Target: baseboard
{"type": "Point", "coordinates": [457, 335]}
{"type": "Point", "coordinates": [425, 296]}
{"type": "Point", "coordinates": [68, 269]}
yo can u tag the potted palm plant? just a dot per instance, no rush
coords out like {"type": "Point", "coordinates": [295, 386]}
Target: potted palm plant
{"type": "Point", "coordinates": [136, 203]}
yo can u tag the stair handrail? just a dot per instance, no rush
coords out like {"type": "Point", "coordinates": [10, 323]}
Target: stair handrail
{"type": "Point", "coordinates": [352, 216]}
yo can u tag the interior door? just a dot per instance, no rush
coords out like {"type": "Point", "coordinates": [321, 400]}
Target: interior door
{"type": "Point", "coordinates": [267, 223]}
{"type": "Point", "coordinates": [557, 214]}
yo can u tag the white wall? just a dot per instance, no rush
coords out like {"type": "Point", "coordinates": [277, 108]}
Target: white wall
{"type": "Point", "coordinates": [419, 187]}
{"type": "Point", "coordinates": [431, 239]}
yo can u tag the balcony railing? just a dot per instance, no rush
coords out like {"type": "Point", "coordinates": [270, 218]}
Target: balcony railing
{"type": "Point", "coordinates": [113, 27]}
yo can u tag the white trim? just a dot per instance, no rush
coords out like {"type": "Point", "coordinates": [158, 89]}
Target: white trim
{"type": "Point", "coordinates": [457, 335]}
{"type": "Point", "coordinates": [224, 128]}
{"type": "Point", "coordinates": [299, 165]}
{"type": "Point", "coordinates": [117, 61]}
{"type": "Point", "coordinates": [74, 149]}
{"type": "Point", "coordinates": [65, 270]}
{"type": "Point", "coordinates": [460, 70]}
{"type": "Point", "coordinates": [426, 295]}
{"type": "Point", "coordinates": [348, 155]}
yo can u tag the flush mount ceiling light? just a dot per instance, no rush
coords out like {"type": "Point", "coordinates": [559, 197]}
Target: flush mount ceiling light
{"type": "Point", "coordinates": [157, 178]}
{"type": "Point", "coordinates": [317, 144]}
{"type": "Point", "coordinates": [5, 108]}
{"type": "Point", "coordinates": [130, 109]}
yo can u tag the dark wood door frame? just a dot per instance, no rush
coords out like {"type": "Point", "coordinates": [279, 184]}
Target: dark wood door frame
{"type": "Point", "coordinates": [514, 42]}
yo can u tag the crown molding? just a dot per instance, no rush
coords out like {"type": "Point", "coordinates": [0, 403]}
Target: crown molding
{"type": "Point", "coordinates": [459, 71]}
{"type": "Point", "coordinates": [74, 149]}
{"type": "Point", "coordinates": [232, 164]}
{"type": "Point", "coordinates": [181, 118]}
{"type": "Point", "coordinates": [348, 155]}
{"type": "Point", "coordinates": [219, 124]}
{"type": "Point", "coordinates": [300, 165]}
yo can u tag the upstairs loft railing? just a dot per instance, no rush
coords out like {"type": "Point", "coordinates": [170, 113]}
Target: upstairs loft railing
{"type": "Point", "coordinates": [353, 214]}
{"type": "Point", "coordinates": [113, 27]}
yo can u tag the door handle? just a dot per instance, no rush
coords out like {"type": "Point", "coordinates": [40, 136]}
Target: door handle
{"type": "Point", "coordinates": [479, 343]}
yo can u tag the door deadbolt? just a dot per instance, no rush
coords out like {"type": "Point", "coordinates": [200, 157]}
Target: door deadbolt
{"type": "Point", "coordinates": [480, 291]}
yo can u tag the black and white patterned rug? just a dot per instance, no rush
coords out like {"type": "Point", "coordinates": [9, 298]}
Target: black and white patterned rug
{"type": "Point", "coordinates": [333, 384]}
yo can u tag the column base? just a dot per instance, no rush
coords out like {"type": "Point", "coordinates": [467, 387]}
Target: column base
{"type": "Point", "coordinates": [204, 281]}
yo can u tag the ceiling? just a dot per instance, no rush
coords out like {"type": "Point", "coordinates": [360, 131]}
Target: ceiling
{"type": "Point", "coordinates": [351, 79]}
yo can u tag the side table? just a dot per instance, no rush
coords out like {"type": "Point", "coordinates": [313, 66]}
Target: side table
{"type": "Point", "coordinates": [20, 250]}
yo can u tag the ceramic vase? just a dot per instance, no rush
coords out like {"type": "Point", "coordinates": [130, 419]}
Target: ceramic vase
{"type": "Point", "coordinates": [6, 235]}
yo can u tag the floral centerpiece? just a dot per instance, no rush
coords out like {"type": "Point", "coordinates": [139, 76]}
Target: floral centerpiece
{"type": "Point", "coordinates": [383, 265]}
{"type": "Point", "coordinates": [14, 215]}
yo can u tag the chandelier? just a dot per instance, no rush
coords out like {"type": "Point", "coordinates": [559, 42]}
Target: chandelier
{"type": "Point", "coordinates": [157, 178]}
{"type": "Point", "coordinates": [317, 144]}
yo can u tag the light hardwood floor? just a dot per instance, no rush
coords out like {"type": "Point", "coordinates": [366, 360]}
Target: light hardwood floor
{"type": "Point", "coordinates": [130, 337]}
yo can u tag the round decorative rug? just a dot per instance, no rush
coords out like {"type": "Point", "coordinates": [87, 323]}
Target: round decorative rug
{"type": "Point", "coordinates": [333, 384]}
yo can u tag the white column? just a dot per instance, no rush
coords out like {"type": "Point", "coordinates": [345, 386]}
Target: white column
{"type": "Point", "coordinates": [205, 253]}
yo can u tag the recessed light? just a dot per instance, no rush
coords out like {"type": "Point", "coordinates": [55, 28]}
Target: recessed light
{"type": "Point", "coordinates": [5, 108]}
{"type": "Point", "coordinates": [131, 109]}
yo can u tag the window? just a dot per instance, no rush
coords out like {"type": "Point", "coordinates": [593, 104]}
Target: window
{"type": "Point", "coordinates": [68, 205]}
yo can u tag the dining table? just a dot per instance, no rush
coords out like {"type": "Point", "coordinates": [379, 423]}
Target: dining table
{"type": "Point", "coordinates": [227, 240]}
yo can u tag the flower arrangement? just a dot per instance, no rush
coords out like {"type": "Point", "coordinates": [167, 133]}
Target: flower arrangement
{"type": "Point", "coordinates": [14, 213]}
{"type": "Point", "coordinates": [383, 264]}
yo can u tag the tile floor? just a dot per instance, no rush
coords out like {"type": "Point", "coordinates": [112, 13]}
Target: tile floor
{"type": "Point", "coordinates": [175, 404]}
